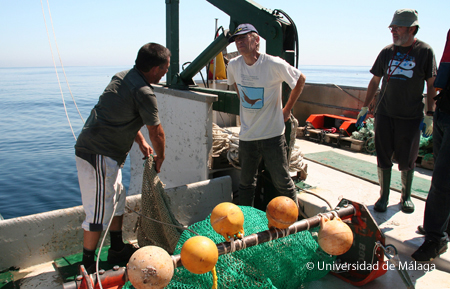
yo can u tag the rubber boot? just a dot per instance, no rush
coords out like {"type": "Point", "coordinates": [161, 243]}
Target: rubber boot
{"type": "Point", "coordinates": [406, 203]}
{"type": "Point", "coordinates": [384, 177]}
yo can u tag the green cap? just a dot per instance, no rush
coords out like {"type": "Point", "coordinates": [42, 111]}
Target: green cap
{"type": "Point", "coordinates": [405, 17]}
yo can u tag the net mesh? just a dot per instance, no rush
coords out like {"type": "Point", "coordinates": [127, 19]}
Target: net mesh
{"type": "Point", "coordinates": [155, 204]}
{"type": "Point", "coordinates": [281, 263]}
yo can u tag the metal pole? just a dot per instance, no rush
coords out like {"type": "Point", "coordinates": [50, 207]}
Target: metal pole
{"type": "Point", "coordinates": [214, 68]}
{"type": "Point", "coordinates": [219, 44]}
{"type": "Point", "coordinates": [172, 38]}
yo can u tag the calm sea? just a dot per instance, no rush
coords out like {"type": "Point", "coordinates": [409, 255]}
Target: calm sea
{"type": "Point", "coordinates": [38, 172]}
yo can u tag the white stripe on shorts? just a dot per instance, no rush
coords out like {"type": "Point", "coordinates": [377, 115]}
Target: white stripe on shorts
{"type": "Point", "coordinates": [100, 186]}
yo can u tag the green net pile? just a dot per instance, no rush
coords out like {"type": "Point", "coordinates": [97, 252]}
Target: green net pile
{"type": "Point", "coordinates": [426, 147]}
{"type": "Point", "coordinates": [281, 263]}
{"type": "Point", "coordinates": [367, 134]}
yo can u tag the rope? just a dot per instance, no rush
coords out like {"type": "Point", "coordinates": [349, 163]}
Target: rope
{"type": "Point", "coordinates": [340, 88]}
{"type": "Point", "coordinates": [227, 141]}
{"type": "Point", "coordinates": [316, 195]}
{"type": "Point", "coordinates": [214, 274]}
{"type": "Point", "coordinates": [62, 66]}
{"type": "Point", "coordinates": [104, 238]}
{"type": "Point", "coordinates": [157, 221]}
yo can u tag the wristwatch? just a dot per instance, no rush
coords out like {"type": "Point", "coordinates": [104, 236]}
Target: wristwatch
{"type": "Point", "coordinates": [430, 113]}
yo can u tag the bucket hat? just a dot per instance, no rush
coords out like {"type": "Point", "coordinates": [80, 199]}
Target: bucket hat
{"type": "Point", "coordinates": [405, 17]}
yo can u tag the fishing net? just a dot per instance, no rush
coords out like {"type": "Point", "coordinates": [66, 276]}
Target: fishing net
{"type": "Point", "coordinates": [366, 134]}
{"type": "Point", "coordinates": [281, 263]}
{"type": "Point", "coordinates": [426, 147]}
{"type": "Point", "coordinates": [155, 205]}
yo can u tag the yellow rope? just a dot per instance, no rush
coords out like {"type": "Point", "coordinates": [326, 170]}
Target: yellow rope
{"type": "Point", "coordinates": [214, 273]}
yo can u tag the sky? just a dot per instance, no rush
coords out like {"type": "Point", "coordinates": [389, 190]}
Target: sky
{"type": "Point", "coordinates": [100, 32]}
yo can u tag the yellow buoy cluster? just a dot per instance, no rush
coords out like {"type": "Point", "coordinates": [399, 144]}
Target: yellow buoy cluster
{"type": "Point", "coordinates": [335, 237]}
{"type": "Point", "coordinates": [152, 267]}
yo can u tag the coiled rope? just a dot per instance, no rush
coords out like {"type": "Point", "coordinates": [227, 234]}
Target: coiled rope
{"type": "Point", "coordinates": [224, 140]}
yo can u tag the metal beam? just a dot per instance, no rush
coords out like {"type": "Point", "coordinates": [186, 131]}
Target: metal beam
{"type": "Point", "coordinates": [228, 101]}
{"type": "Point", "coordinates": [184, 79]}
{"type": "Point", "coordinates": [172, 37]}
{"type": "Point", "coordinates": [270, 26]}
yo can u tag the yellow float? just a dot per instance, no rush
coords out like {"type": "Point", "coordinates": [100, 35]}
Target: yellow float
{"type": "Point", "coordinates": [199, 255]}
{"type": "Point", "coordinates": [281, 212]}
{"type": "Point", "coordinates": [335, 237]}
{"type": "Point", "coordinates": [227, 220]}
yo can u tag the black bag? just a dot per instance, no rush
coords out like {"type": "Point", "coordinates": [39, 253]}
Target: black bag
{"type": "Point", "coordinates": [443, 100]}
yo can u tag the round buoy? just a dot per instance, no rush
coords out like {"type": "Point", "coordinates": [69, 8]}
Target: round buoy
{"type": "Point", "coordinates": [199, 255]}
{"type": "Point", "coordinates": [227, 220]}
{"type": "Point", "coordinates": [150, 267]}
{"type": "Point", "coordinates": [281, 212]}
{"type": "Point", "coordinates": [335, 237]}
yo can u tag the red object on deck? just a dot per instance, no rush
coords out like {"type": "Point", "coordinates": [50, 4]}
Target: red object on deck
{"type": "Point", "coordinates": [111, 279]}
{"type": "Point", "coordinates": [365, 259]}
{"type": "Point", "coordinates": [346, 125]}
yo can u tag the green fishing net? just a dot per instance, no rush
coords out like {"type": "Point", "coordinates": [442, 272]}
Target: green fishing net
{"type": "Point", "coordinates": [426, 147]}
{"type": "Point", "coordinates": [281, 263]}
{"type": "Point", "coordinates": [367, 134]}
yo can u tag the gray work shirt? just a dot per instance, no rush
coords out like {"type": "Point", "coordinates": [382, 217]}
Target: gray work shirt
{"type": "Point", "coordinates": [127, 103]}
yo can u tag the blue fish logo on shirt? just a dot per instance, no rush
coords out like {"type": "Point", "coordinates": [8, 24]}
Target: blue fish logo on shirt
{"type": "Point", "coordinates": [252, 97]}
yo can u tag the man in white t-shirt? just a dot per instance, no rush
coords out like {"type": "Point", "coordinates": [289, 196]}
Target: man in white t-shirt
{"type": "Point", "coordinates": [258, 79]}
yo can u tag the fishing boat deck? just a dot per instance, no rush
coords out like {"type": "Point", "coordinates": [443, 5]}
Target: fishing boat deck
{"type": "Point", "coordinates": [400, 229]}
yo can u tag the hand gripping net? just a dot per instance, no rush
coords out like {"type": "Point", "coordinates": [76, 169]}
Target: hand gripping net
{"type": "Point", "coordinates": [155, 205]}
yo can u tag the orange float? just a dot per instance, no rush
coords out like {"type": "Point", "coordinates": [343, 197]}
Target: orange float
{"type": "Point", "coordinates": [281, 212]}
{"type": "Point", "coordinates": [227, 220]}
{"type": "Point", "coordinates": [335, 236]}
{"type": "Point", "coordinates": [199, 255]}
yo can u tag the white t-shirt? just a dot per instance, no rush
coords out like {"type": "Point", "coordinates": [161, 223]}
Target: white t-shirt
{"type": "Point", "coordinates": [259, 86]}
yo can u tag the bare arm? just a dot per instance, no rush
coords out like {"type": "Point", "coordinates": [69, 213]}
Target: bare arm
{"type": "Point", "coordinates": [431, 93]}
{"type": "Point", "coordinates": [295, 93]}
{"type": "Point", "coordinates": [158, 139]}
{"type": "Point", "coordinates": [145, 148]}
{"type": "Point", "coordinates": [372, 90]}
{"type": "Point", "coordinates": [236, 89]}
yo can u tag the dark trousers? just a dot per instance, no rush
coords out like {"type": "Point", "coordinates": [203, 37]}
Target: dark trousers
{"type": "Point", "coordinates": [437, 207]}
{"type": "Point", "coordinates": [274, 153]}
{"type": "Point", "coordinates": [397, 137]}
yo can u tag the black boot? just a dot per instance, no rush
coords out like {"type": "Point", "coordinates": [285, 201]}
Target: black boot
{"type": "Point", "coordinates": [384, 177]}
{"type": "Point", "coordinates": [406, 203]}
